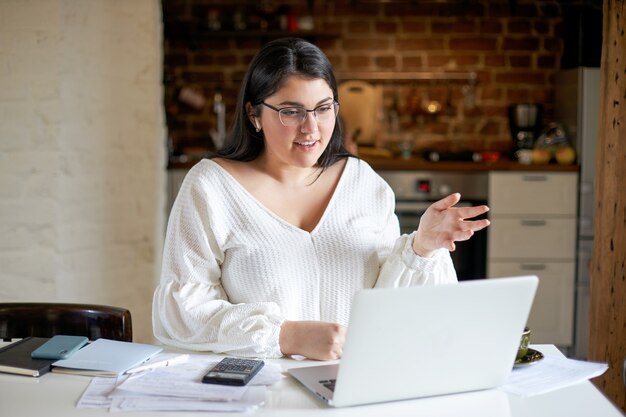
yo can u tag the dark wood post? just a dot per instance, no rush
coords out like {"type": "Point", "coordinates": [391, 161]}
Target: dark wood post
{"type": "Point", "coordinates": [607, 315]}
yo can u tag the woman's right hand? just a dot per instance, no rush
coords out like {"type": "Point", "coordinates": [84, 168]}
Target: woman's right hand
{"type": "Point", "coordinates": [443, 224]}
{"type": "Point", "coordinates": [312, 339]}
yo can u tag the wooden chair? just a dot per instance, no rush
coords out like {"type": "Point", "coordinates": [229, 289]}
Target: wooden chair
{"type": "Point", "coordinates": [19, 320]}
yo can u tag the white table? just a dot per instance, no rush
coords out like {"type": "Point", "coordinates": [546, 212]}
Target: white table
{"type": "Point", "coordinates": [55, 395]}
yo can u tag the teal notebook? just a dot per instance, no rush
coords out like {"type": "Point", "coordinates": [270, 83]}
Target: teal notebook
{"type": "Point", "coordinates": [105, 357]}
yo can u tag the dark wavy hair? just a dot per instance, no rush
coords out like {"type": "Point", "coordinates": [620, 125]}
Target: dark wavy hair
{"type": "Point", "coordinates": [266, 74]}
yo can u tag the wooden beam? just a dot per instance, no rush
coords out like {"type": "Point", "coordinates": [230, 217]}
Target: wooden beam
{"type": "Point", "coordinates": [607, 312]}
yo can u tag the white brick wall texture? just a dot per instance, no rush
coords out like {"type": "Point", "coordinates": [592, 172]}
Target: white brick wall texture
{"type": "Point", "coordinates": [82, 153]}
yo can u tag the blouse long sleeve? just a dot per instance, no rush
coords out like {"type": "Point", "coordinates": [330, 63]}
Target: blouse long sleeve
{"type": "Point", "coordinates": [404, 268]}
{"type": "Point", "coordinates": [190, 307]}
{"type": "Point", "coordinates": [400, 265]}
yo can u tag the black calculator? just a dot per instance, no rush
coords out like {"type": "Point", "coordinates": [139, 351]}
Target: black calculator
{"type": "Point", "coordinates": [233, 371]}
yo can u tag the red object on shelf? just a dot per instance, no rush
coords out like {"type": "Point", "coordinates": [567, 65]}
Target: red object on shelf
{"type": "Point", "coordinates": [292, 22]}
{"type": "Point", "coordinates": [490, 156]}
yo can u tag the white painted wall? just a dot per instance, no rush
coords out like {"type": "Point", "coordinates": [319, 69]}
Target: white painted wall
{"type": "Point", "coordinates": [82, 153]}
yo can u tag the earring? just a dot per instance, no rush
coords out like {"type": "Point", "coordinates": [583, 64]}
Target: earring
{"type": "Point", "coordinates": [258, 126]}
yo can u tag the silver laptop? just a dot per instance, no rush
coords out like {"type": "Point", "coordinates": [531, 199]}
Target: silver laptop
{"type": "Point", "coordinates": [423, 341]}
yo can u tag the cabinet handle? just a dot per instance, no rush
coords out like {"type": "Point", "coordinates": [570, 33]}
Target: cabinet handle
{"type": "Point", "coordinates": [534, 178]}
{"type": "Point", "coordinates": [535, 267]}
{"type": "Point", "coordinates": [533, 222]}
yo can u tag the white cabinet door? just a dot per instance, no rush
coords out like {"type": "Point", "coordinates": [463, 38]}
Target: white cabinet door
{"type": "Point", "coordinates": [551, 318]}
{"type": "Point", "coordinates": [533, 193]}
{"type": "Point", "coordinates": [533, 231]}
{"type": "Point", "coordinates": [532, 237]}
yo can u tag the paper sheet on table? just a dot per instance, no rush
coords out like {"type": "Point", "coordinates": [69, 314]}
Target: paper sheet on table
{"type": "Point", "coordinates": [268, 375]}
{"type": "Point", "coordinates": [177, 381]}
{"type": "Point", "coordinates": [184, 381]}
{"type": "Point", "coordinates": [101, 391]}
{"type": "Point", "coordinates": [550, 374]}
{"type": "Point", "coordinates": [96, 394]}
{"type": "Point", "coordinates": [252, 399]}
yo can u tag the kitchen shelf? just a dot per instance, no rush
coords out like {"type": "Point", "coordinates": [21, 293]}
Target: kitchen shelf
{"type": "Point", "coordinates": [264, 34]}
{"type": "Point", "coordinates": [463, 76]}
{"type": "Point", "coordinates": [418, 164]}
{"type": "Point", "coordinates": [193, 31]}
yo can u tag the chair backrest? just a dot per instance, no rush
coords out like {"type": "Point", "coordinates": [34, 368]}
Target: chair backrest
{"type": "Point", "coordinates": [19, 320]}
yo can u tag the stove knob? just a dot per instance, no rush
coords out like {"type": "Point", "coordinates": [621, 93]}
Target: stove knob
{"type": "Point", "coordinates": [444, 190]}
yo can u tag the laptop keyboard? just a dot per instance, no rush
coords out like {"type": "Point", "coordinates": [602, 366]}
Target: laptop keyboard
{"type": "Point", "coordinates": [328, 383]}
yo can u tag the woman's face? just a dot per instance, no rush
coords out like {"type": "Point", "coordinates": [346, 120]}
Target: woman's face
{"type": "Point", "coordinates": [300, 145]}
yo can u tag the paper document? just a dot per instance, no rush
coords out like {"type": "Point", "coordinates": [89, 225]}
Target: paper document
{"type": "Point", "coordinates": [159, 361]}
{"type": "Point", "coordinates": [97, 396]}
{"type": "Point", "coordinates": [184, 381]}
{"type": "Point", "coordinates": [97, 393]}
{"type": "Point", "coordinates": [252, 399]}
{"type": "Point", "coordinates": [177, 386]}
{"type": "Point", "coordinates": [551, 374]}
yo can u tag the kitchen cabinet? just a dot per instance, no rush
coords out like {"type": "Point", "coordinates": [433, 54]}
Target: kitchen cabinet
{"type": "Point", "coordinates": [533, 231]}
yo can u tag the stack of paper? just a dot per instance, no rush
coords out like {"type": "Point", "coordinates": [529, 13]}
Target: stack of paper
{"type": "Point", "coordinates": [550, 374]}
{"type": "Point", "coordinates": [177, 387]}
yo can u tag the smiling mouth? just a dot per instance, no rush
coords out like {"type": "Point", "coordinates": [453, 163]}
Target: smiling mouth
{"type": "Point", "coordinates": [306, 143]}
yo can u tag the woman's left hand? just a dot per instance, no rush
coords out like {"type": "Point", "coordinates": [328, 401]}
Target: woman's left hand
{"type": "Point", "coordinates": [442, 225]}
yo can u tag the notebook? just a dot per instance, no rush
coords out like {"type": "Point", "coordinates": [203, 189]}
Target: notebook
{"type": "Point", "coordinates": [105, 357]}
{"type": "Point", "coordinates": [15, 358]}
{"type": "Point", "coordinates": [424, 341]}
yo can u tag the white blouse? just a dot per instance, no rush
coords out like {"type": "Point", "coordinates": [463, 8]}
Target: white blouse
{"type": "Point", "coordinates": [233, 271]}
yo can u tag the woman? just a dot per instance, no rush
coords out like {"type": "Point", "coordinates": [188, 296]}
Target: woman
{"type": "Point", "coordinates": [268, 242]}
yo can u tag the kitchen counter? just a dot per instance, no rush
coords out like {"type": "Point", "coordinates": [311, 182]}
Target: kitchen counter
{"type": "Point", "coordinates": [419, 164]}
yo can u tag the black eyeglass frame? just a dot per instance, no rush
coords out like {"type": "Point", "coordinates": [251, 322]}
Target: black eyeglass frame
{"type": "Point", "coordinates": [277, 110]}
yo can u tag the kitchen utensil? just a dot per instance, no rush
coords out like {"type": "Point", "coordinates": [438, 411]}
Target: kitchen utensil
{"type": "Point", "coordinates": [359, 110]}
{"type": "Point", "coordinates": [469, 93]}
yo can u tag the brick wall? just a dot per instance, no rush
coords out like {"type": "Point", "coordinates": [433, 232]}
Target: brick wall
{"type": "Point", "coordinates": [82, 160]}
{"type": "Point", "coordinates": [515, 53]}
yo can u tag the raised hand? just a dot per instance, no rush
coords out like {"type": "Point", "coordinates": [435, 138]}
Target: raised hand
{"type": "Point", "coordinates": [443, 224]}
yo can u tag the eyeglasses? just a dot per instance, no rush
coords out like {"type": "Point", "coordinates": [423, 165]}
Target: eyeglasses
{"type": "Point", "coordinates": [295, 116]}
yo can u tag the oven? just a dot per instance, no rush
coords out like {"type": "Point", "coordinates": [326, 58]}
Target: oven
{"type": "Point", "coordinates": [415, 191]}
